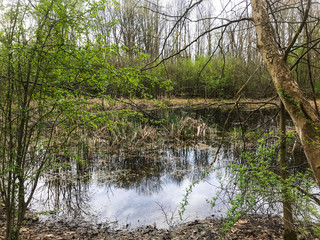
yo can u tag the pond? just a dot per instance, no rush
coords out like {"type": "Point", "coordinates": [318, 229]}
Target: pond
{"type": "Point", "coordinates": [131, 191]}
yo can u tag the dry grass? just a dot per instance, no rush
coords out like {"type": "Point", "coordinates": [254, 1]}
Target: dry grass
{"type": "Point", "coordinates": [144, 104]}
{"type": "Point", "coordinates": [187, 129]}
{"type": "Point", "coordinates": [133, 135]}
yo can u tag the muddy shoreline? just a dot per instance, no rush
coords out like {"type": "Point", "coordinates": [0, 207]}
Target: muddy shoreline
{"type": "Point", "coordinates": [250, 227]}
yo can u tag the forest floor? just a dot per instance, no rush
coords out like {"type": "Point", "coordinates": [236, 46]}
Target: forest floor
{"type": "Point", "coordinates": [251, 227]}
{"type": "Point", "coordinates": [255, 227]}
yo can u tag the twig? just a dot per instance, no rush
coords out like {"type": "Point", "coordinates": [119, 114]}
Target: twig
{"type": "Point", "coordinates": [223, 132]}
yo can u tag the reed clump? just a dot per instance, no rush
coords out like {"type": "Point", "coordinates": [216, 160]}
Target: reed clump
{"type": "Point", "coordinates": [136, 134]}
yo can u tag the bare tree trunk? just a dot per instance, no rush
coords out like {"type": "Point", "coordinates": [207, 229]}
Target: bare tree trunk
{"type": "Point", "coordinates": [305, 118]}
{"type": "Point", "coordinates": [289, 233]}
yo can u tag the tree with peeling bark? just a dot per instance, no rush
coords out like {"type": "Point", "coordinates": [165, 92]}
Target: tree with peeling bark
{"type": "Point", "coordinates": [306, 119]}
{"type": "Point", "coordinates": [304, 115]}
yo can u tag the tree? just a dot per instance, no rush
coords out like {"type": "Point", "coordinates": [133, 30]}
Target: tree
{"type": "Point", "coordinates": [38, 71]}
{"type": "Point", "coordinates": [53, 62]}
{"type": "Point", "coordinates": [306, 119]}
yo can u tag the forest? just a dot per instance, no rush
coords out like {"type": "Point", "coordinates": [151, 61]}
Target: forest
{"type": "Point", "coordinates": [104, 98]}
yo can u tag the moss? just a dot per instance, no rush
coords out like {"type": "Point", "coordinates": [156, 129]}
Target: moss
{"type": "Point", "coordinates": [288, 98]}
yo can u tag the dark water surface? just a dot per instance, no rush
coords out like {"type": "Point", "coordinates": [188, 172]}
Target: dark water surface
{"type": "Point", "coordinates": [148, 189]}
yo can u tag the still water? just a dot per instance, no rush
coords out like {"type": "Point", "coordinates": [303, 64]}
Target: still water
{"type": "Point", "coordinates": [128, 192]}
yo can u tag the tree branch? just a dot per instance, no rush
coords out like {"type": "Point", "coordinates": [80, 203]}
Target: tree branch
{"type": "Point", "coordinates": [192, 42]}
{"type": "Point", "coordinates": [295, 37]}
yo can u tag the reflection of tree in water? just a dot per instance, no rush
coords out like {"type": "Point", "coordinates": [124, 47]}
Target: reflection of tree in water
{"type": "Point", "coordinates": [148, 174]}
{"type": "Point", "coordinates": [187, 163]}
{"type": "Point", "coordinates": [142, 174]}
{"type": "Point", "coordinates": [68, 189]}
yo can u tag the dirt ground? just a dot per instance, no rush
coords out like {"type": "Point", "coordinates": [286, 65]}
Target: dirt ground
{"type": "Point", "coordinates": [253, 227]}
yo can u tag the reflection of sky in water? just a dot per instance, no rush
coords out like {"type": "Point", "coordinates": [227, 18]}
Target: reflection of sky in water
{"type": "Point", "coordinates": [131, 190]}
{"type": "Point", "coordinates": [136, 209]}
{"type": "Point", "coordinates": [137, 201]}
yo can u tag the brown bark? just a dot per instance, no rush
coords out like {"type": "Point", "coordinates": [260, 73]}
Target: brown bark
{"type": "Point", "coordinates": [305, 118]}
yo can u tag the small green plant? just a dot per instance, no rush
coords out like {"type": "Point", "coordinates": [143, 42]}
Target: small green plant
{"type": "Point", "coordinates": [317, 231]}
{"type": "Point", "coordinates": [185, 200]}
{"type": "Point", "coordinates": [258, 182]}
{"type": "Point", "coordinates": [49, 212]}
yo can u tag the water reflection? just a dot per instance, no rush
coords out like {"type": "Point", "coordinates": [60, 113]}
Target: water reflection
{"type": "Point", "coordinates": [127, 184]}
{"type": "Point", "coordinates": [129, 189]}
{"type": "Point", "coordinates": [65, 195]}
